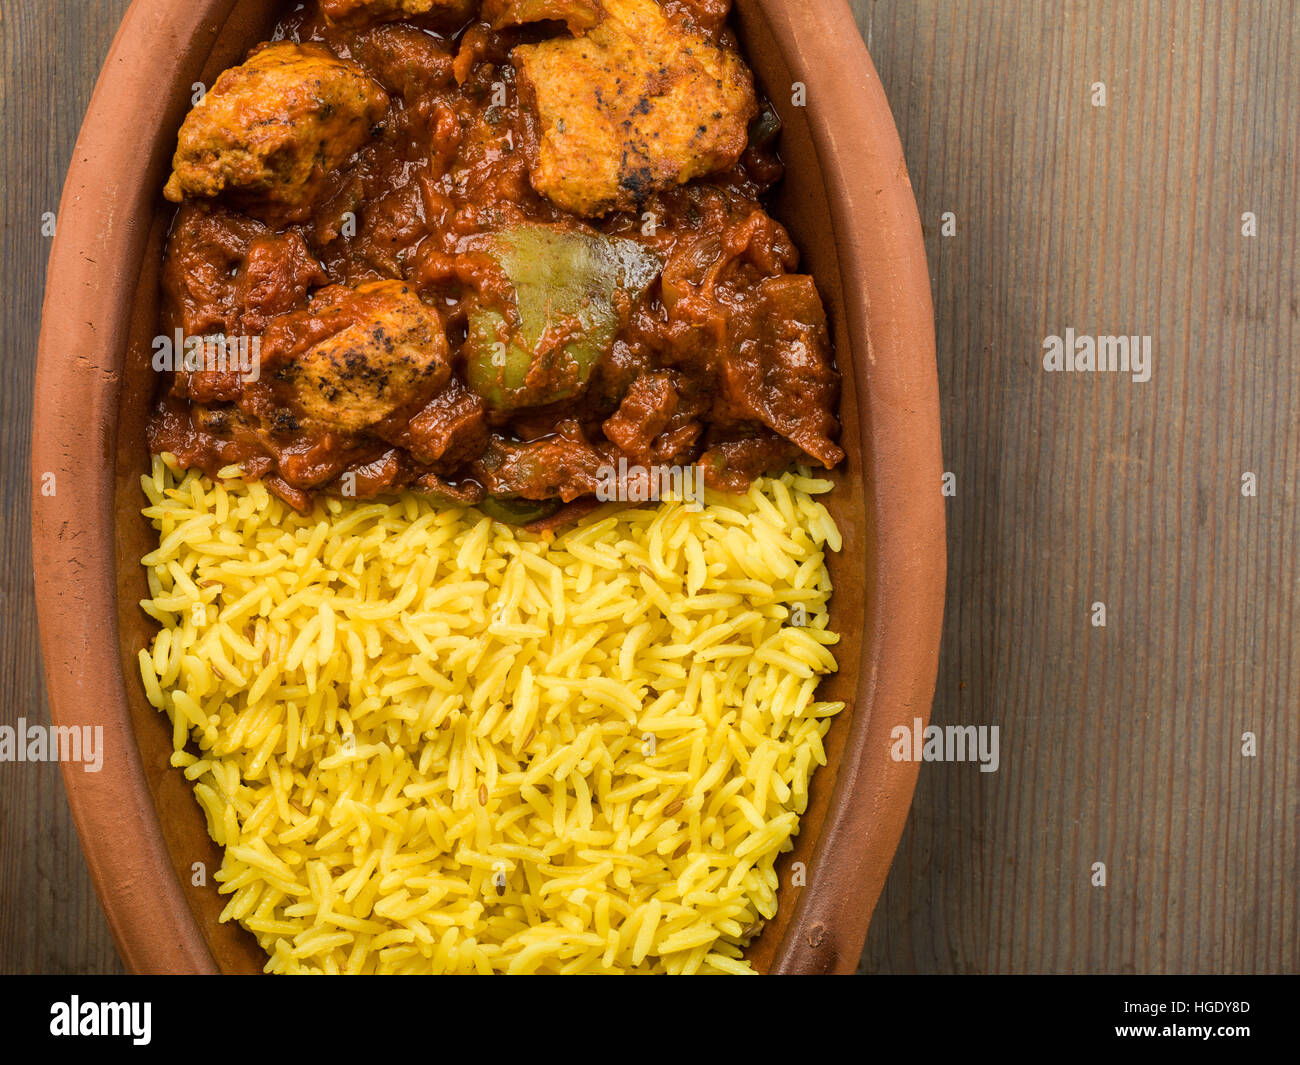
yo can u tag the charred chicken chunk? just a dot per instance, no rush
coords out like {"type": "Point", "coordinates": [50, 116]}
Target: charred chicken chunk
{"type": "Point", "coordinates": [637, 104]}
{"type": "Point", "coordinates": [273, 127]}
{"type": "Point", "coordinates": [356, 356]}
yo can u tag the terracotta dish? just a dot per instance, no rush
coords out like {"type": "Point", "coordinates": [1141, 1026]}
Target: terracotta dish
{"type": "Point", "coordinates": [848, 204]}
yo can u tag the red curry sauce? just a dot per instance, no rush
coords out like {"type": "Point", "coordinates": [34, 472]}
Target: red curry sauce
{"type": "Point", "coordinates": [427, 319]}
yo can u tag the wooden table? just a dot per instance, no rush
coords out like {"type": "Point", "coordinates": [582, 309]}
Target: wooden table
{"type": "Point", "coordinates": [1169, 212]}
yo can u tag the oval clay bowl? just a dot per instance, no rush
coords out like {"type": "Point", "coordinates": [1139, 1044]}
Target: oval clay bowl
{"type": "Point", "coordinates": [849, 205]}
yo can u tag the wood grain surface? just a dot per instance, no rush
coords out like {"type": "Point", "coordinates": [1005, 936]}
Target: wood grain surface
{"type": "Point", "coordinates": [50, 920]}
{"type": "Point", "coordinates": [1119, 744]}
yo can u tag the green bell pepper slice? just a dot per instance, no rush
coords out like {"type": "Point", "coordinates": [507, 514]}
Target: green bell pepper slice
{"type": "Point", "coordinates": [564, 319]}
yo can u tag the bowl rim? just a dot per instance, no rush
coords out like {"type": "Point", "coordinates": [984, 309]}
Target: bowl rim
{"type": "Point", "coordinates": [105, 211]}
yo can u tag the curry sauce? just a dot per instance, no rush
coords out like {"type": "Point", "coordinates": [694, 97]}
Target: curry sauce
{"type": "Point", "coordinates": [490, 254]}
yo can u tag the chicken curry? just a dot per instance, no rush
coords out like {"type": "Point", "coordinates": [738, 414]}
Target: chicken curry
{"type": "Point", "coordinates": [487, 251]}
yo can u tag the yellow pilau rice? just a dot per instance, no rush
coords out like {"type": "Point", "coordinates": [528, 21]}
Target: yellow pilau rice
{"type": "Point", "coordinates": [433, 743]}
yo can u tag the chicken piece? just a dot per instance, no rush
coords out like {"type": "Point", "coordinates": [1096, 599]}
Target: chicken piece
{"type": "Point", "coordinates": [273, 127]}
{"type": "Point", "coordinates": [357, 356]}
{"type": "Point", "coordinates": [637, 105]}
{"type": "Point", "coordinates": [777, 368]}
{"type": "Point", "coordinates": [578, 15]}
{"type": "Point", "coordinates": [358, 12]}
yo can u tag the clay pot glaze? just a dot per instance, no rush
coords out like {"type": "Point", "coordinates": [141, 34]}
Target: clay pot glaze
{"type": "Point", "coordinates": [848, 203]}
